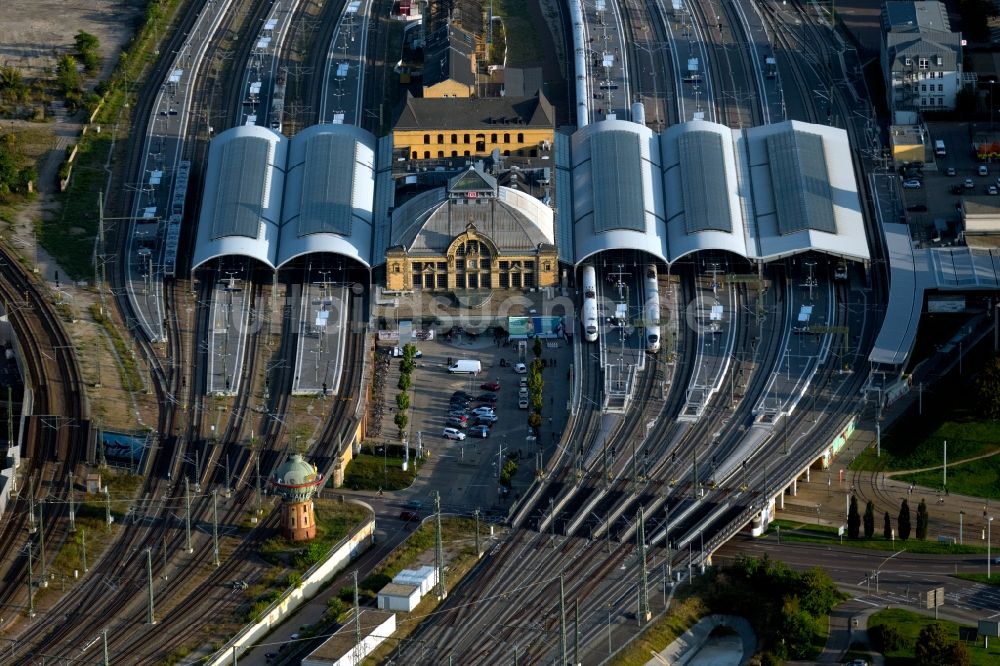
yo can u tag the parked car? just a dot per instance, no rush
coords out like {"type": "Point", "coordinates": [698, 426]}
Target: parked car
{"type": "Point", "coordinates": [917, 208]}
{"type": "Point", "coordinates": [453, 433]}
{"type": "Point", "coordinates": [460, 406]}
{"type": "Point", "coordinates": [522, 402]}
{"type": "Point", "coordinates": [950, 171]}
{"type": "Point", "coordinates": [459, 415]}
{"type": "Point", "coordinates": [487, 397]}
{"type": "Point", "coordinates": [457, 424]}
{"type": "Point", "coordinates": [521, 369]}
{"type": "Point", "coordinates": [485, 419]}
{"type": "Point", "coordinates": [524, 382]}
{"type": "Point", "coordinates": [983, 171]}
{"type": "Point", "coordinates": [491, 386]}
{"type": "Point", "coordinates": [991, 189]}
{"type": "Point", "coordinates": [397, 352]}
{"type": "Point", "coordinates": [409, 516]}
{"type": "Point", "coordinates": [483, 411]}
{"type": "Point", "coordinates": [968, 184]}
{"type": "Point", "coordinates": [482, 432]}
{"type": "Point", "coordinates": [911, 184]}
{"type": "Point", "coordinates": [523, 393]}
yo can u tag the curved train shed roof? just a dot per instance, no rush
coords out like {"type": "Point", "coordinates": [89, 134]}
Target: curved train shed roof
{"type": "Point", "coordinates": [617, 197]}
{"type": "Point", "coordinates": [275, 199]}
{"type": "Point", "coordinates": [329, 193]}
{"type": "Point", "coordinates": [762, 193]}
{"type": "Point", "coordinates": [241, 208]}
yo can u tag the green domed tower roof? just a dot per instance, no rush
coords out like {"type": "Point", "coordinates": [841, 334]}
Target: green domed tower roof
{"type": "Point", "coordinates": [296, 480]}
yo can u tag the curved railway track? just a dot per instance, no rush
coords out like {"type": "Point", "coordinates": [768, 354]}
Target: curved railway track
{"type": "Point", "coordinates": [59, 429]}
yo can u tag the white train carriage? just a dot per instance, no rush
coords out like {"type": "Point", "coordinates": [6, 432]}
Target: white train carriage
{"type": "Point", "coordinates": [651, 315]}
{"type": "Point", "coordinates": [589, 319]}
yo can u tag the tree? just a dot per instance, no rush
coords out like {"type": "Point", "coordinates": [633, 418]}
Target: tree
{"type": "Point", "coordinates": [987, 390]}
{"type": "Point", "coordinates": [537, 348]}
{"type": "Point", "coordinates": [402, 401]}
{"type": "Point", "coordinates": [887, 527]}
{"type": "Point", "coordinates": [853, 519]}
{"type": "Point", "coordinates": [401, 419]}
{"type": "Point", "coordinates": [819, 593]}
{"type": "Point", "coordinates": [87, 46]}
{"type": "Point", "coordinates": [869, 519]}
{"type": "Point", "coordinates": [12, 84]}
{"type": "Point", "coordinates": [934, 648]}
{"type": "Point", "coordinates": [404, 381]}
{"type": "Point", "coordinates": [903, 521]}
{"type": "Point", "coordinates": [67, 77]}
{"type": "Point", "coordinates": [922, 519]}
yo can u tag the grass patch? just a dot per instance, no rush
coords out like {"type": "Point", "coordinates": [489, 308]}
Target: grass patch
{"type": "Point", "coordinates": [682, 616]}
{"type": "Point", "coordinates": [523, 43]}
{"type": "Point", "coordinates": [69, 237]}
{"type": "Point", "coordinates": [455, 533]}
{"type": "Point", "coordinates": [979, 578]}
{"type": "Point", "coordinates": [376, 468]}
{"type": "Point", "coordinates": [967, 437]}
{"type": "Point", "coordinates": [976, 478]}
{"type": "Point", "coordinates": [290, 560]}
{"type": "Point", "coordinates": [909, 624]}
{"type": "Point", "coordinates": [806, 533]}
{"type": "Point", "coordinates": [127, 369]}
{"type": "Point", "coordinates": [334, 521]}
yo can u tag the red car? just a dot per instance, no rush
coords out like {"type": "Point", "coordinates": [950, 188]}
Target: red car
{"type": "Point", "coordinates": [490, 386]}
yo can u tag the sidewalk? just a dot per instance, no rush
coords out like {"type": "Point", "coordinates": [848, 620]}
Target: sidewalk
{"type": "Point", "coordinates": [824, 499]}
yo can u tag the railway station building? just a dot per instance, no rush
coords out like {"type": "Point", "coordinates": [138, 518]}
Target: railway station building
{"type": "Point", "coordinates": [438, 128]}
{"type": "Point", "coordinates": [471, 235]}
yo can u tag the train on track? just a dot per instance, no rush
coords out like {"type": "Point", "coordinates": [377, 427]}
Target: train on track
{"type": "Point", "coordinates": [651, 313]}
{"type": "Point", "coordinates": [589, 319]}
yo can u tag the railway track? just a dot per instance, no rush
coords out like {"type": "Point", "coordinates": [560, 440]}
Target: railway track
{"type": "Point", "coordinates": [57, 436]}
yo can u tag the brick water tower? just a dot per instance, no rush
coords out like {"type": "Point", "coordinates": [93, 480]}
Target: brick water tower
{"type": "Point", "coordinates": [296, 482]}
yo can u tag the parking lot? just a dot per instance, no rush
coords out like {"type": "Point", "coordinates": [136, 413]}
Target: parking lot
{"type": "Point", "coordinates": [933, 209]}
{"type": "Point", "coordinates": [465, 471]}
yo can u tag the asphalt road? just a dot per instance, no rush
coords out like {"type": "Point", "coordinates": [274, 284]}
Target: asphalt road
{"type": "Point", "coordinates": [902, 580]}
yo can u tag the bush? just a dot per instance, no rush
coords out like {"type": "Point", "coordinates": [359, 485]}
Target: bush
{"type": "Point", "coordinates": [335, 608]}
{"type": "Point", "coordinates": [886, 637]}
{"type": "Point", "coordinates": [309, 556]}
{"type": "Point", "coordinates": [402, 401]}
{"type": "Point", "coordinates": [404, 382]}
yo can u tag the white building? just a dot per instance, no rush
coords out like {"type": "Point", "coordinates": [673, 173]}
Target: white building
{"type": "Point", "coordinates": [341, 650]}
{"type": "Point", "coordinates": [425, 578]}
{"type": "Point", "coordinates": [921, 57]}
{"type": "Point", "coordinates": [399, 597]}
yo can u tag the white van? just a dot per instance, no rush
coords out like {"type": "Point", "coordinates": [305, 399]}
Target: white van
{"type": "Point", "coordinates": [465, 367]}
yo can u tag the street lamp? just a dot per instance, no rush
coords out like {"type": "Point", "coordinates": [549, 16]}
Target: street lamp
{"type": "Point", "coordinates": [989, 524]}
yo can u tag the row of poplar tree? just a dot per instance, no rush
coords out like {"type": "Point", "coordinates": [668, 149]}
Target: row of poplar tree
{"type": "Point", "coordinates": [855, 521]}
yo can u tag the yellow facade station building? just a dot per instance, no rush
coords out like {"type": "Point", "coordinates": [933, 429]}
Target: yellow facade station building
{"type": "Point", "coordinates": [445, 128]}
{"type": "Point", "coordinates": [471, 235]}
